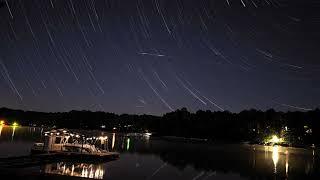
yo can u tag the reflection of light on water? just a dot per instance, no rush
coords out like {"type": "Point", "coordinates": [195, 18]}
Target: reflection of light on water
{"type": "Point", "coordinates": [113, 139]}
{"type": "Point", "coordinates": [128, 143]}
{"type": "Point", "coordinates": [266, 152]}
{"type": "Point", "coordinates": [92, 171]}
{"type": "Point", "coordinates": [287, 162]}
{"type": "Point", "coordinates": [1, 126]}
{"type": "Point", "coordinates": [72, 170]}
{"type": "Point", "coordinates": [64, 169]}
{"type": "Point", "coordinates": [99, 173]}
{"type": "Point", "coordinates": [41, 132]}
{"type": "Point", "coordinates": [13, 130]}
{"type": "Point", "coordinates": [275, 157]}
{"type": "Point", "coordinates": [254, 157]}
{"type": "Point", "coordinates": [84, 172]}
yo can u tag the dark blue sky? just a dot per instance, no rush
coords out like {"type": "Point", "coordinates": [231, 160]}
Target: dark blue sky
{"type": "Point", "coordinates": [154, 56]}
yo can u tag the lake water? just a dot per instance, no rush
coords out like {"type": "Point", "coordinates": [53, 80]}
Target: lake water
{"type": "Point", "coordinates": [157, 159]}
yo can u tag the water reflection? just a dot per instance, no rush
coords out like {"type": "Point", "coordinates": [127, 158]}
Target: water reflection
{"type": "Point", "coordinates": [93, 171]}
{"type": "Point", "coordinates": [287, 162]}
{"type": "Point", "coordinates": [155, 157]}
{"type": "Point", "coordinates": [113, 140]}
{"type": "Point", "coordinates": [13, 131]}
{"type": "Point", "coordinates": [128, 144]}
{"type": "Point", "coordinates": [1, 126]}
{"type": "Point", "coordinates": [275, 157]}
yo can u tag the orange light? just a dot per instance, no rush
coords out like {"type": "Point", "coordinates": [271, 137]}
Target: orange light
{"type": "Point", "coordinates": [2, 122]}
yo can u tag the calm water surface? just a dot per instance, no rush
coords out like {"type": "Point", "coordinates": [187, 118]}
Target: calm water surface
{"type": "Point", "coordinates": [152, 158]}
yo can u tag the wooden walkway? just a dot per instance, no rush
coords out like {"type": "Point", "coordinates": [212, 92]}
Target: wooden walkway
{"type": "Point", "coordinates": [40, 159]}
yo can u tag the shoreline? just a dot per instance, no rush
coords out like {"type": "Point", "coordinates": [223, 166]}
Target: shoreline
{"type": "Point", "coordinates": [178, 138]}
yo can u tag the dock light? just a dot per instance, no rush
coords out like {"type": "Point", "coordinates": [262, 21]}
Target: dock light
{"type": "Point", "coordinates": [1, 122]}
{"type": "Point", "coordinates": [15, 124]}
{"type": "Point", "coordinates": [275, 139]}
{"type": "Point", "coordinates": [147, 134]}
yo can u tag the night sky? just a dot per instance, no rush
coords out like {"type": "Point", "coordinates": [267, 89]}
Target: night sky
{"type": "Point", "coordinates": [155, 56]}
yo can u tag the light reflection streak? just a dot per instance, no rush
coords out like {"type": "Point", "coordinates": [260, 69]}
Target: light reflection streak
{"type": "Point", "coordinates": [72, 170]}
{"type": "Point", "coordinates": [253, 157]}
{"type": "Point", "coordinates": [266, 151]}
{"type": "Point", "coordinates": [287, 163]}
{"type": "Point", "coordinates": [1, 126]}
{"type": "Point", "coordinates": [275, 157]}
{"type": "Point", "coordinates": [113, 139]}
{"type": "Point", "coordinates": [128, 143]}
{"type": "Point", "coordinates": [41, 132]}
{"type": "Point", "coordinates": [13, 131]}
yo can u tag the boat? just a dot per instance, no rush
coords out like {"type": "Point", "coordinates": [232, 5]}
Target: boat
{"type": "Point", "coordinates": [67, 145]}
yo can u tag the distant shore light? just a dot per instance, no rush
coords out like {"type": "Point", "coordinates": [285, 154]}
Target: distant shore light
{"type": "Point", "coordinates": [275, 139]}
{"type": "Point", "coordinates": [15, 124]}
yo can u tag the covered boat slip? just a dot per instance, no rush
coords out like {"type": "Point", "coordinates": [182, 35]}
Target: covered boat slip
{"type": "Point", "coordinates": [64, 140]}
{"type": "Point", "coordinates": [61, 145]}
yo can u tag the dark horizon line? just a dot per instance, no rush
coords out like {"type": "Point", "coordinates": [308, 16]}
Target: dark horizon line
{"type": "Point", "coordinates": [251, 109]}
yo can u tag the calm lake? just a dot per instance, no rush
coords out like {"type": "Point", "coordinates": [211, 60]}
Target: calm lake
{"type": "Point", "coordinates": [154, 158]}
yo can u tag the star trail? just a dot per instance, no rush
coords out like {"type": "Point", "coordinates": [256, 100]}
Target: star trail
{"type": "Point", "coordinates": [155, 56]}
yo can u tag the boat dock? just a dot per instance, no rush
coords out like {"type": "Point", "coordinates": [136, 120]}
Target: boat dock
{"type": "Point", "coordinates": [63, 146]}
